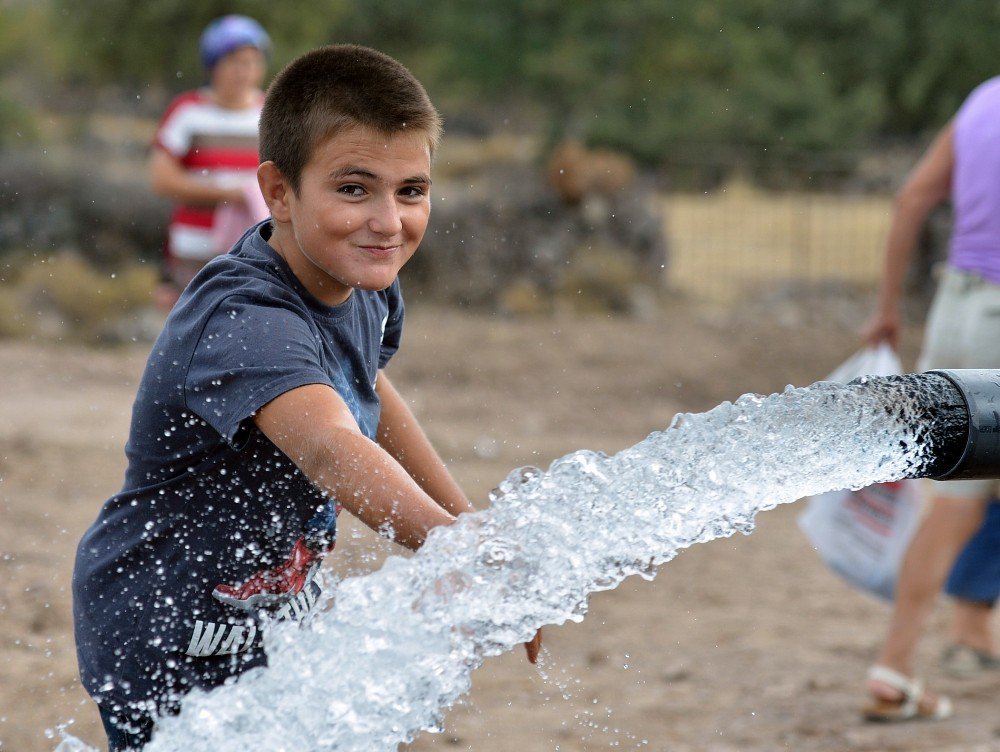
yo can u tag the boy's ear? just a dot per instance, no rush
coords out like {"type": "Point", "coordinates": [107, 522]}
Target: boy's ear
{"type": "Point", "coordinates": [275, 190]}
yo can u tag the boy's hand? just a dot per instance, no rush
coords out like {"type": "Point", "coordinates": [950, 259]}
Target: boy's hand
{"type": "Point", "coordinates": [534, 646]}
{"type": "Point", "coordinates": [315, 429]}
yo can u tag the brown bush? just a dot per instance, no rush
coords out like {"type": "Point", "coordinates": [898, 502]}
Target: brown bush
{"type": "Point", "coordinates": [576, 172]}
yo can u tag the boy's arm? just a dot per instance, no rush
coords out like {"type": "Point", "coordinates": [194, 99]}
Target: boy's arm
{"type": "Point", "coordinates": [314, 428]}
{"type": "Point", "coordinates": [402, 437]}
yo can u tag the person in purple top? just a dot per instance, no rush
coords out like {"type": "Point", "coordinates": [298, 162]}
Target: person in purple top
{"type": "Point", "coordinates": [963, 331]}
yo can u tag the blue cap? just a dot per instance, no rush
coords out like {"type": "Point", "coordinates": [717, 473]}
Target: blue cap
{"type": "Point", "coordinates": [229, 33]}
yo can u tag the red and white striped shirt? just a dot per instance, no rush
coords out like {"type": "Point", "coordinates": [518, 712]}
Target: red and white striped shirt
{"type": "Point", "coordinates": [214, 144]}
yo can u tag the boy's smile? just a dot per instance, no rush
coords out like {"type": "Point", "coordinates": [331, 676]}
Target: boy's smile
{"type": "Point", "coordinates": [359, 214]}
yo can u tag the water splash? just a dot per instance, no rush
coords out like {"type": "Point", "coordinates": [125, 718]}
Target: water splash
{"type": "Point", "coordinates": [398, 646]}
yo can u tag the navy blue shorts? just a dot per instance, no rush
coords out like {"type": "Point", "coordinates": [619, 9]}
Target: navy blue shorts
{"type": "Point", "coordinates": [976, 574]}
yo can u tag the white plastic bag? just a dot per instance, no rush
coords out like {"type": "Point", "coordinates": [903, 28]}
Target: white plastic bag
{"type": "Point", "coordinates": [872, 361]}
{"type": "Point", "coordinates": [862, 535]}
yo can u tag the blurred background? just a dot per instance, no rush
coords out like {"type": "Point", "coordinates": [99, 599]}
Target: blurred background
{"type": "Point", "coordinates": [767, 137]}
{"type": "Point", "coordinates": [639, 208]}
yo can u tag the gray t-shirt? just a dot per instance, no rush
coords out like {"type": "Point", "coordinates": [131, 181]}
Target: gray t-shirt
{"type": "Point", "coordinates": [208, 500]}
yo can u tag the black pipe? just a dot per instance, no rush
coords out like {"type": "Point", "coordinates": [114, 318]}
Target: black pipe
{"type": "Point", "coordinates": [980, 454]}
{"type": "Point", "coordinates": [956, 419]}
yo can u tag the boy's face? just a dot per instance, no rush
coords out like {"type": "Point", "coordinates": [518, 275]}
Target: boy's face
{"type": "Point", "coordinates": [359, 214]}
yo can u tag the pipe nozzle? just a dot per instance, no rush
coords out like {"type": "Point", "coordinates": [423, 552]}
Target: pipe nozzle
{"type": "Point", "coordinates": [980, 455]}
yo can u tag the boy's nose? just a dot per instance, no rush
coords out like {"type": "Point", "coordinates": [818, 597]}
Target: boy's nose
{"type": "Point", "coordinates": [385, 219]}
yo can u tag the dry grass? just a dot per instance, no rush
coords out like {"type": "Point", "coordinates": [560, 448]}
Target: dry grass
{"type": "Point", "coordinates": [64, 296]}
{"type": "Point", "coordinates": [726, 244]}
{"type": "Point", "coordinates": [724, 247]}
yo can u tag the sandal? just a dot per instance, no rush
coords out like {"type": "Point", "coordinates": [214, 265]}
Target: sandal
{"type": "Point", "coordinates": [909, 707]}
{"type": "Point", "coordinates": [963, 662]}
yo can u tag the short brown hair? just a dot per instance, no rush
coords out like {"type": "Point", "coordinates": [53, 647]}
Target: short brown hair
{"type": "Point", "coordinates": [330, 89]}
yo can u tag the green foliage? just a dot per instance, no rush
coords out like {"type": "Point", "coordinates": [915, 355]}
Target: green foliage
{"type": "Point", "coordinates": [17, 25]}
{"type": "Point", "coordinates": [17, 126]}
{"type": "Point", "coordinates": [649, 76]}
{"type": "Point", "coordinates": [132, 42]}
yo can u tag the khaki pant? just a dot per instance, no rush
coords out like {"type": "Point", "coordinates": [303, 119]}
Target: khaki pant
{"type": "Point", "coordinates": [963, 331]}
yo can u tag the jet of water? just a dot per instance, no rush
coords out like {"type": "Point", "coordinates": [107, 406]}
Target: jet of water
{"type": "Point", "coordinates": [398, 646]}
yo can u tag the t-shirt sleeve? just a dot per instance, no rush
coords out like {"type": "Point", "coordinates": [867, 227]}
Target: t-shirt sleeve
{"type": "Point", "coordinates": [393, 332]}
{"type": "Point", "coordinates": [248, 354]}
{"type": "Point", "coordinates": [173, 135]}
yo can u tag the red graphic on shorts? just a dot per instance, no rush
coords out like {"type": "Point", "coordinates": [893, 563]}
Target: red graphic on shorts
{"type": "Point", "coordinates": [273, 587]}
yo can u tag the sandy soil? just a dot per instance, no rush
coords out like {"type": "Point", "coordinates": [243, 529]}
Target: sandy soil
{"type": "Point", "coordinates": [739, 644]}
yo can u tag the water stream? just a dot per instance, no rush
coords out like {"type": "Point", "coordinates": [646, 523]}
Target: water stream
{"type": "Point", "coordinates": [398, 647]}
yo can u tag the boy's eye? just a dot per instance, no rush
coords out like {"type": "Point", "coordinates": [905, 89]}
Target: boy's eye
{"type": "Point", "coordinates": [351, 190]}
{"type": "Point", "coordinates": [413, 191]}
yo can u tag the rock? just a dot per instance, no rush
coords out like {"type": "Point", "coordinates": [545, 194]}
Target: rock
{"type": "Point", "coordinates": [508, 241]}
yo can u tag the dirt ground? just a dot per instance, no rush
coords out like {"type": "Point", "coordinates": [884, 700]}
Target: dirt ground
{"type": "Point", "coordinates": [738, 644]}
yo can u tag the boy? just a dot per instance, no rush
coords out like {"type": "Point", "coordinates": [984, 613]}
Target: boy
{"type": "Point", "coordinates": [204, 153]}
{"type": "Point", "coordinates": [263, 406]}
